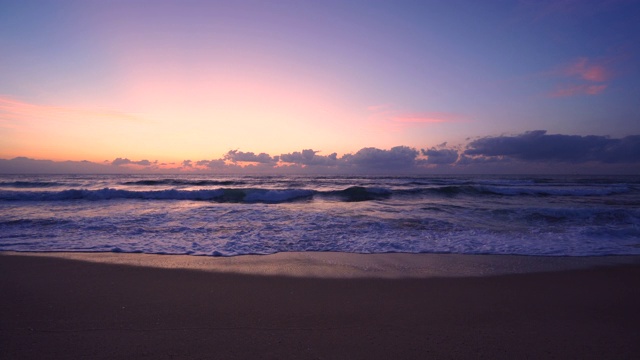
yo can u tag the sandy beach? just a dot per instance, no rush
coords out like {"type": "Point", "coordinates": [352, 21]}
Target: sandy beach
{"type": "Point", "coordinates": [317, 306]}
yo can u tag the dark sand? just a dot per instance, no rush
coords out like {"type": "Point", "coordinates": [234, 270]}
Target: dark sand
{"type": "Point", "coordinates": [79, 307]}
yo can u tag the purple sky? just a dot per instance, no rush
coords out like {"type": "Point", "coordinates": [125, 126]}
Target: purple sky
{"type": "Point", "coordinates": [320, 86]}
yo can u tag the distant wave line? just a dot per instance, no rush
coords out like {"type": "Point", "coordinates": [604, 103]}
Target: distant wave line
{"type": "Point", "coordinates": [259, 195]}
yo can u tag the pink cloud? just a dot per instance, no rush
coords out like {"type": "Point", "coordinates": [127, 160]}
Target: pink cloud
{"type": "Point", "coordinates": [588, 76]}
{"type": "Point", "coordinates": [574, 90]}
{"type": "Point", "coordinates": [588, 70]}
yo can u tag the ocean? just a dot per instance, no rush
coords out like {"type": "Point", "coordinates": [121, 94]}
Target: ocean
{"type": "Point", "coordinates": [237, 215]}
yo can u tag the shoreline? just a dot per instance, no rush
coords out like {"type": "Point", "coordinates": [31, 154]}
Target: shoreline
{"type": "Point", "coordinates": [74, 305]}
{"type": "Point", "coordinates": [349, 265]}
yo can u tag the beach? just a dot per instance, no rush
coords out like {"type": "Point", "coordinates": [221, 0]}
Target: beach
{"type": "Point", "coordinates": [317, 306]}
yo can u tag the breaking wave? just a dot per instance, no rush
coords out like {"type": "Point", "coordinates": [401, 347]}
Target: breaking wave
{"type": "Point", "coordinates": [259, 195]}
{"type": "Point", "coordinates": [31, 184]}
{"type": "Point", "coordinates": [218, 195]}
{"type": "Point", "coordinates": [180, 182]}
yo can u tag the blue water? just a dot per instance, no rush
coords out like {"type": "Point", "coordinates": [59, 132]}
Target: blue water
{"type": "Point", "coordinates": [226, 215]}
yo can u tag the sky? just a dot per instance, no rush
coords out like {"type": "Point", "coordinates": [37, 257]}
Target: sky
{"type": "Point", "coordinates": [322, 86]}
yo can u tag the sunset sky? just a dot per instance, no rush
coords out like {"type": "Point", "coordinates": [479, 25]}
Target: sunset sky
{"type": "Point", "coordinates": [221, 82]}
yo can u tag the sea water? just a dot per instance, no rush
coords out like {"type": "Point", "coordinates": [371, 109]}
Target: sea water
{"type": "Point", "coordinates": [236, 215]}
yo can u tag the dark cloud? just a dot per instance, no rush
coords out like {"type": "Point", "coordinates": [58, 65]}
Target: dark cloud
{"type": "Point", "coordinates": [120, 161]}
{"type": "Point", "coordinates": [625, 150]}
{"type": "Point", "coordinates": [530, 152]}
{"type": "Point", "coordinates": [308, 157]}
{"type": "Point", "coordinates": [399, 157]}
{"type": "Point", "coordinates": [212, 164]}
{"type": "Point", "coordinates": [440, 157]}
{"type": "Point", "coordinates": [479, 160]}
{"type": "Point", "coordinates": [239, 156]}
{"type": "Point", "coordinates": [538, 146]}
{"type": "Point", "coordinates": [125, 161]}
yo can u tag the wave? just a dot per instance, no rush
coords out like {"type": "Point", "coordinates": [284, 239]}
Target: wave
{"type": "Point", "coordinates": [218, 195]}
{"type": "Point", "coordinates": [179, 182]}
{"type": "Point", "coordinates": [359, 193]}
{"type": "Point", "coordinates": [349, 194]}
{"type": "Point", "coordinates": [479, 190]}
{"type": "Point", "coordinates": [32, 184]}
{"type": "Point", "coordinates": [556, 191]}
{"type": "Point", "coordinates": [241, 195]}
{"type": "Point", "coordinates": [34, 222]}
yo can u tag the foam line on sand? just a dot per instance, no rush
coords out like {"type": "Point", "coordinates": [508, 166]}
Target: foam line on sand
{"type": "Point", "coordinates": [349, 265]}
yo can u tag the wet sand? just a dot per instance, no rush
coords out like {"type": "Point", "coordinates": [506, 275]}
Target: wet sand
{"type": "Point", "coordinates": [317, 306]}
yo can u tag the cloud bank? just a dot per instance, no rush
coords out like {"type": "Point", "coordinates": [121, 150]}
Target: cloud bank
{"type": "Point", "coordinates": [541, 147]}
{"type": "Point", "coordinates": [125, 161]}
{"type": "Point", "coordinates": [440, 157]}
{"type": "Point", "coordinates": [529, 152]}
{"type": "Point", "coordinates": [239, 156]}
{"type": "Point", "coordinates": [308, 157]}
